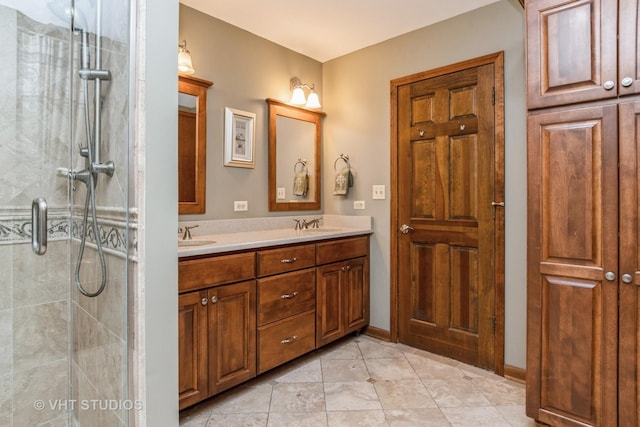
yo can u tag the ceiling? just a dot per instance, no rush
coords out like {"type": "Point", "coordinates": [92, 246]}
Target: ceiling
{"type": "Point", "coordinates": [327, 29]}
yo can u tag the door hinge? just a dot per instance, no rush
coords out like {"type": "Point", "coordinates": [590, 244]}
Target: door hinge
{"type": "Point", "coordinates": [493, 96]}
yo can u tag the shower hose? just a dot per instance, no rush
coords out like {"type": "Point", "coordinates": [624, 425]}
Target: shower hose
{"type": "Point", "coordinates": [90, 199]}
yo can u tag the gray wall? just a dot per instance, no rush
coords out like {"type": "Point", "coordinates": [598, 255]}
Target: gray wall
{"type": "Point", "coordinates": [354, 91]}
{"type": "Point", "coordinates": [245, 70]}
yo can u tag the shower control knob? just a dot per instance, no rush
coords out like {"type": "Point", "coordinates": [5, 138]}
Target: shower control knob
{"type": "Point", "coordinates": [204, 301]}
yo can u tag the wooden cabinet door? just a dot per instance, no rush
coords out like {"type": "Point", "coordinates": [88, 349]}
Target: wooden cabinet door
{"type": "Point", "coordinates": [356, 294]}
{"type": "Point", "coordinates": [232, 335]}
{"type": "Point", "coordinates": [329, 321]}
{"type": "Point", "coordinates": [572, 292]}
{"type": "Point", "coordinates": [571, 51]}
{"type": "Point", "coordinates": [628, 47]}
{"type": "Point", "coordinates": [629, 360]}
{"type": "Point", "coordinates": [192, 348]}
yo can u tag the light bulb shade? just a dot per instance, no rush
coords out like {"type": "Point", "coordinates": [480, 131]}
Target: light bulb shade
{"type": "Point", "coordinates": [313, 101]}
{"type": "Point", "coordinates": [184, 63]}
{"type": "Point", "coordinates": [297, 98]}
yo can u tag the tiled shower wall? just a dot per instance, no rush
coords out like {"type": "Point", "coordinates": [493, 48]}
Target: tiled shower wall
{"type": "Point", "coordinates": [57, 346]}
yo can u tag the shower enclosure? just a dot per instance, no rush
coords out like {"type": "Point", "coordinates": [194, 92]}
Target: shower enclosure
{"type": "Point", "coordinates": [64, 137]}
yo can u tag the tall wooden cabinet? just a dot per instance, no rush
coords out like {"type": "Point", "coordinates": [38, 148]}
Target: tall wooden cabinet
{"type": "Point", "coordinates": [583, 199]}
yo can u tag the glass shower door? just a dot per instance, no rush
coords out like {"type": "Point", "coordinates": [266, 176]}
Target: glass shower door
{"type": "Point", "coordinates": [63, 355]}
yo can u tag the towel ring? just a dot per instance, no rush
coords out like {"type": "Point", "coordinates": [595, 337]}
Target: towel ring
{"type": "Point", "coordinates": [303, 167]}
{"type": "Point", "coordinates": [344, 158]}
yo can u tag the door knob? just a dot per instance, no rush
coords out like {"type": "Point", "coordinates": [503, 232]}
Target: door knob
{"type": "Point", "coordinates": [405, 229]}
{"type": "Point", "coordinates": [610, 276]}
{"type": "Point", "coordinates": [627, 278]}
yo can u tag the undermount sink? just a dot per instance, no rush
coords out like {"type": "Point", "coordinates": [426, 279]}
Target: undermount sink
{"type": "Point", "coordinates": [320, 230]}
{"type": "Point", "coordinates": [195, 242]}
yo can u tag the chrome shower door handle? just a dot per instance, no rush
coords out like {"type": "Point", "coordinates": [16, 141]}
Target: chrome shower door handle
{"type": "Point", "coordinates": [39, 225]}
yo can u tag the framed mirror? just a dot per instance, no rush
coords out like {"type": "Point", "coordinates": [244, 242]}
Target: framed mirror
{"type": "Point", "coordinates": [294, 157]}
{"type": "Point", "coordinates": [192, 144]}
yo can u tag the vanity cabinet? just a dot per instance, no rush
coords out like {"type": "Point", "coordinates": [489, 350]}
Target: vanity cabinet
{"type": "Point", "coordinates": [216, 325]}
{"type": "Point", "coordinates": [244, 313]}
{"type": "Point", "coordinates": [286, 304]}
{"type": "Point", "coordinates": [342, 288]}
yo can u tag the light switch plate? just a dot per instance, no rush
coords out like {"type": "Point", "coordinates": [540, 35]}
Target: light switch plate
{"type": "Point", "coordinates": [379, 192]}
{"type": "Point", "coordinates": [281, 194]}
{"type": "Point", "coordinates": [240, 206]}
{"type": "Point", "coordinates": [358, 204]}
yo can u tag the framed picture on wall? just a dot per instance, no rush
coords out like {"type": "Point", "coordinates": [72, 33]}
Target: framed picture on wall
{"type": "Point", "coordinates": [239, 138]}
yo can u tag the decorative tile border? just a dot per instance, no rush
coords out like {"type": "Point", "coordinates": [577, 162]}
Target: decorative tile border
{"type": "Point", "coordinates": [15, 228]}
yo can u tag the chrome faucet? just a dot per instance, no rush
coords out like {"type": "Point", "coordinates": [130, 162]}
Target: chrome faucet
{"type": "Point", "coordinates": [314, 223]}
{"type": "Point", "coordinates": [187, 232]}
{"type": "Point", "coordinates": [298, 226]}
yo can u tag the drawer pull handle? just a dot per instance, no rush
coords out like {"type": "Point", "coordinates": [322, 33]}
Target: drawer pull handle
{"type": "Point", "coordinates": [289, 296]}
{"type": "Point", "coordinates": [288, 260]}
{"type": "Point", "coordinates": [289, 340]}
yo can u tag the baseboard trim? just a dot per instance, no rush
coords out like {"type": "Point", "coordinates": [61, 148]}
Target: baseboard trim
{"type": "Point", "coordinates": [378, 333]}
{"type": "Point", "coordinates": [515, 374]}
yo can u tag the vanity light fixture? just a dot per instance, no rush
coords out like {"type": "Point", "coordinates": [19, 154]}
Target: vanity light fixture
{"type": "Point", "coordinates": [298, 97]}
{"type": "Point", "coordinates": [184, 59]}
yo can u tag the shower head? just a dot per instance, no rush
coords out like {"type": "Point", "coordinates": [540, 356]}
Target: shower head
{"type": "Point", "coordinates": [67, 12]}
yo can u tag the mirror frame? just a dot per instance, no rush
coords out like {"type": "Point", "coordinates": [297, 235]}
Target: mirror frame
{"type": "Point", "coordinates": [279, 108]}
{"type": "Point", "coordinates": [197, 87]}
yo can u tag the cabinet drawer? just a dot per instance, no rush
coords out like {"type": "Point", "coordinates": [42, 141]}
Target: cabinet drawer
{"type": "Point", "coordinates": [206, 272]}
{"type": "Point", "coordinates": [339, 250]}
{"type": "Point", "coordinates": [285, 295]}
{"type": "Point", "coordinates": [273, 261]}
{"type": "Point", "coordinates": [287, 339]}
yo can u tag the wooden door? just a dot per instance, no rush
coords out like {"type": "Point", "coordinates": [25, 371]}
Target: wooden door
{"type": "Point", "coordinates": [572, 290]}
{"type": "Point", "coordinates": [447, 183]}
{"type": "Point", "coordinates": [571, 51]}
{"type": "Point", "coordinates": [192, 348]}
{"type": "Point", "coordinates": [629, 360]}
{"type": "Point", "coordinates": [232, 335]}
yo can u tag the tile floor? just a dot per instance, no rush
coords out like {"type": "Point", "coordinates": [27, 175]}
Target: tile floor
{"type": "Point", "coordinates": [362, 381]}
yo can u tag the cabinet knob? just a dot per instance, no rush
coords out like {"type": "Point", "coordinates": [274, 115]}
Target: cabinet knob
{"type": "Point", "coordinates": [626, 82]}
{"type": "Point", "coordinates": [204, 301]}
{"type": "Point", "coordinates": [288, 260]}
{"type": "Point", "coordinates": [346, 268]}
{"type": "Point", "coordinates": [610, 276]}
{"type": "Point", "coordinates": [627, 278]}
{"type": "Point", "coordinates": [214, 299]}
{"type": "Point", "coordinates": [289, 340]}
{"type": "Point", "coordinates": [289, 296]}
{"type": "Point", "coordinates": [609, 84]}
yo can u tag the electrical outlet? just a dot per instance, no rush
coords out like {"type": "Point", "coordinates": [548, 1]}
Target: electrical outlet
{"type": "Point", "coordinates": [379, 192]}
{"type": "Point", "coordinates": [358, 204]}
{"type": "Point", "coordinates": [281, 194]}
{"type": "Point", "coordinates": [240, 205]}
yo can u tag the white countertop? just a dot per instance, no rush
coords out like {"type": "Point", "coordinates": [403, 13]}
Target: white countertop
{"type": "Point", "coordinates": [216, 241]}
